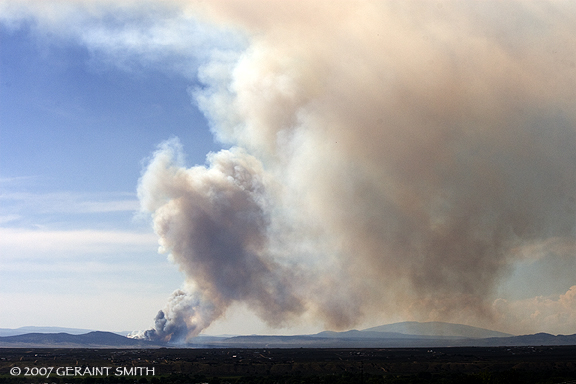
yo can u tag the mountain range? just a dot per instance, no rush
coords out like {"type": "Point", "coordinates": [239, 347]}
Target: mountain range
{"type": "Point", "coordinates": [397, 335]}
{"type": "Point", "coordinates": [24, 330]}
{"type": "Point", "coordinates": [95, 339]}
{"type": "Point", "coordinates": [436, 328]}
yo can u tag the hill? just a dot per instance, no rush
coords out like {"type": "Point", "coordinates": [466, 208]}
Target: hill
{"type": "Point", "coordinates": [25, 330]}
{"type": "Point", "coordinates": [355, 334]}
{"type": "Point", "coordinates": [436, 328]}
{"type": "Point", "coordinates": [395, 342]}
{"type": "Point", "coordinates": [94, 339]}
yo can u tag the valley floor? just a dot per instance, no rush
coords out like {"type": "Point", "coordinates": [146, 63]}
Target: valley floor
{"type": "Point", "coordinates": [544, 364]}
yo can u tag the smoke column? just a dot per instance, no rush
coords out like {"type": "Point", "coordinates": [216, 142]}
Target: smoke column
{"type": "Point", "coordinates": [214, 222]}
{"type": "Point", "coordinates": [386, 157]}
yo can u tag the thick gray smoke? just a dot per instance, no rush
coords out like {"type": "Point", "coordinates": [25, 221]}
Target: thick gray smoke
{"type": "Point", "coordinates": [387, 157]}
{"type": "Point", "coordinates": [214, 221]}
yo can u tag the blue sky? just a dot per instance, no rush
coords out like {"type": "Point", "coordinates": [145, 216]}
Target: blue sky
{"type": "Point", "coordinates": [84, 125]}
{"type": "Point", "coordinates": [365, 124]}
{"type": "Point", "coordinates": [75, 135]}
{"type": "Point", "coordinates": [79, 121]}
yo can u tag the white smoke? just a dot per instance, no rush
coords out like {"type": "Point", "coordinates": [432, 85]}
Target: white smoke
{"type": "Point", "coordinates": [394, 157]}
{"type": "Point", "coordinates": [186, 315]}
{"type": "Point", "coordinates": [214, 221]}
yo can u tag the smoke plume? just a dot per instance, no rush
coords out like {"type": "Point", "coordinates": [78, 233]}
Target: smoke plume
{"type": "Point", "coordinates": [386, 157]}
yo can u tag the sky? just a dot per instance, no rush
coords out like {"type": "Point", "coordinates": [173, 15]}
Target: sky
{"type": "Point", "coordinates": [181, 168]}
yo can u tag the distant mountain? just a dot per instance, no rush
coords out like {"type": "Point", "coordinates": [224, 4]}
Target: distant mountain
{"type": "Point", "coordinates": [436, 328]}
{"type": "Point", "coordinates": [24, 330]}
{"type": "Point", "coordinates": [394, 342]}
{"type": "Point", "coordinates": [527, 340]}
{"type": "Point", "coordinates": [65, 340]}
{"type": "Point", "coordinates": [433, 335]}
{"type": "Point", "coordinates": [399, 335]}
{"type": "Point", "coordinates": [355, 334]}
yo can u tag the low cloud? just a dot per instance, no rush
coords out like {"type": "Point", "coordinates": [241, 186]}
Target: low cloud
{"type": "Point", "coordinates": [17, 243]}
{"type": "Point", "coordinates": [68, 202]}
